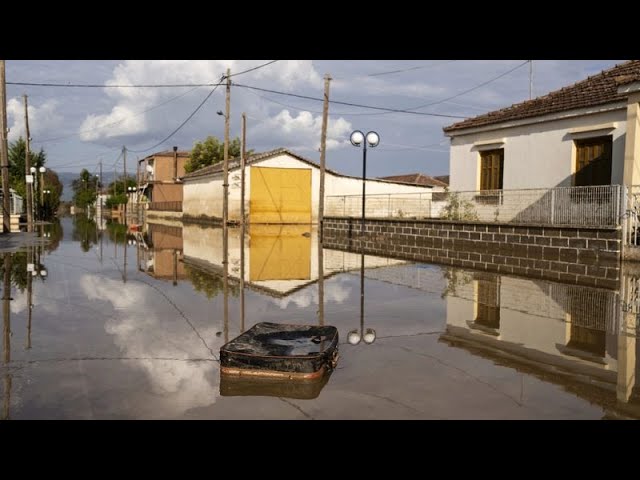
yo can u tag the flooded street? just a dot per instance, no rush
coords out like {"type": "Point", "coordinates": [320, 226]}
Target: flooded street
{"type": "Point", "coordinates": [128, 325]}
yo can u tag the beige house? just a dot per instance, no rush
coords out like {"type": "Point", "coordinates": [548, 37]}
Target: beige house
{"type": "Point", "coordinates": [159, 179]}
{"type": "Point", "coordinates": [581, 135]}
{"type": "Point", "coordinates": [282, 187]}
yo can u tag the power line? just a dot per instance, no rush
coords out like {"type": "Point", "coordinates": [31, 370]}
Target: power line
{"type": "Point", "coordinates": [389, 110]}
{"type": "Point", "coordinates": [181, 125]}
{"type": "Point", "coordinates": [410, 69]}
{"type": "Point", "coordinates": [437, 102]}
{"type": "Point", "coordinates": [118, 121]}
{"type": "Point", "coordinates": [252, 69]}
{"type": "Point", "coordinates": [472, 88]}
{"type": "Point", "coordinates": [93, 85]}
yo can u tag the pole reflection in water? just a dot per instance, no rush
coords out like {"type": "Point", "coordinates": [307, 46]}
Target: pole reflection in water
{"type": "Point", "coordinates": [30, 267]}
{"type": "Point", "coordinates": [6, 297]}
{"type": "Point", "coordinates": [320, 279]}
{"type": "Point", "coordinates": [225, 279]}
{"type": "Point", "coordinates": [369, 335]}
{"type": "Point", "coordinates": [242, 246]}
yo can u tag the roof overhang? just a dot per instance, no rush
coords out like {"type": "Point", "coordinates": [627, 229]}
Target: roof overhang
{"type": "Point", "coordinates": [633, 87]}
{"type": "Point", "coordinates": [608, 107]}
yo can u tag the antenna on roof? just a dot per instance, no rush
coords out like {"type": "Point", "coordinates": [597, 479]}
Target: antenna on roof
{"type": "Point", "coordinates": [530, 79]}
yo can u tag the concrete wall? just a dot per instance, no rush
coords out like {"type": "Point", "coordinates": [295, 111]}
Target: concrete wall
{"type": "Point", "coordinates": [585, 256]}
{"type": "Point", "coordinates": [203, 196]}
{"type": "Point", "coordinates": [535, 155]}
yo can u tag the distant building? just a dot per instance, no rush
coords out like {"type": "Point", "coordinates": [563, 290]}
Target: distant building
{"type": "Point", "coordinates": [283, 187]}
{"type": "Point", "coordinates": [159, 179]}
{"type": "Point", "coordinates": [420, 179]}
{"type": "Point", "coordinates": [585, 134]}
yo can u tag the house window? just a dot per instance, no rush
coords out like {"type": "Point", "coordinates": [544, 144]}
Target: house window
{"type": "Point", "coordinates": [488, 306]}
{"type": "Point", "coordinates": [491, 169]}
{"type": "Point", "coordinates": [593, 161]}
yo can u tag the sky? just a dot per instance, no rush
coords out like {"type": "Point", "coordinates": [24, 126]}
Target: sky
{"type": "Point", "coordinates": [78, 127]}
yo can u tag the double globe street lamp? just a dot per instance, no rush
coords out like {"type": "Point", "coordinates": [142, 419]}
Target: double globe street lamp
{"type": "Point", "coordinates": [372, 139]}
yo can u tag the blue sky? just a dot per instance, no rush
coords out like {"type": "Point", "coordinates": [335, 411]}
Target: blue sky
{"type": "Point", "coordinates": [79, 126]}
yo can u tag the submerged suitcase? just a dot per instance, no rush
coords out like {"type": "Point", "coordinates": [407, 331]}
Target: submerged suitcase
{"type": "Point", "coordinates": [281, 351]}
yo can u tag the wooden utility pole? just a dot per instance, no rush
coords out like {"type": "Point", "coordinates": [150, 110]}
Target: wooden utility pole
{"type": "Point", "coordinates": [323, 152]}
{"type": "Point", "coordinates": [4, 153]}
{"type": "Point", "coordinates": [124, 182]}
{"type": "Point", "coordinates": [100, 195]}
{"type": "Point", "coordinates": [225, 209]}
{"type": "Point", "coordinates": [243, 154]}
{"type": "Point", "coordinates": [225, 184]}
{"type": "Point", "coordinates": [27, 166]}
{"type": "Point", "coordinates": [6, 312]}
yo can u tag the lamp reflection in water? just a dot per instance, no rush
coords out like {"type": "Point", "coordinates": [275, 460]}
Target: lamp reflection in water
{"type": "Point", "coordinates": [354, 337]}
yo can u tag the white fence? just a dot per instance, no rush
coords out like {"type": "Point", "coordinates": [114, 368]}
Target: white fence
{"type": "Point", "coordinates": [576, 206]}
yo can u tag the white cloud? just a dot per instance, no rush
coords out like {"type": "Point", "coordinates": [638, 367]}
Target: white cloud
{"type": "Point", "coordinates": [336, 290]}
{"type": "Point", "coordinates": [302, 131]}
{"type": "Point", "coordinates": [130, 103]}
{"type": "Point", "coordinates": [43, 118]}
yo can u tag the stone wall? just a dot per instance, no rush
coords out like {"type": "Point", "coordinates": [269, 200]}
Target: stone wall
{"type": "Point", "coordinates": [585, 256]}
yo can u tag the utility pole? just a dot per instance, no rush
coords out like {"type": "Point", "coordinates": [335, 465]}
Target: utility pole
{"type": "Point", "coordinates": [4, 152]}
{"type": "Point", "coordinates": [124, 181]}
{"type": "Point", "coordinates": [530, 79]}
{"type": "Point", "coordinates": [6, 312]}
{"type": "Point", "coordinates": [225, 184]}
{"type": "Point", "coordinates": [323, 152]}
{"type": "Point", "coordinates": [243, 154]}
{"type": "Point", "coordinates": [27, 166]}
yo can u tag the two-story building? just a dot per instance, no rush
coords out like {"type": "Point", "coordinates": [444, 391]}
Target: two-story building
{"type": "Point", "coordinates": [159, 179]}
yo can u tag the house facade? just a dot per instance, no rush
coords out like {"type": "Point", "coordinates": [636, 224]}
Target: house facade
{"type": "Point", "coordinates": [159, 179]}
{"type": "Point", "coordinates": [583, 135]}
{"type": "Point", "coordinates": [283, 187]}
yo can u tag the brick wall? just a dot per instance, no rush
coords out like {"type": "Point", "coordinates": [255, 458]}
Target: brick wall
{"type": "Point", "coordinates": [585, 256]}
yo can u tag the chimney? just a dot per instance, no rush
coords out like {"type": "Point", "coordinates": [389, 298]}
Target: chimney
{"type": "Point", "coordinates": [175, 164]}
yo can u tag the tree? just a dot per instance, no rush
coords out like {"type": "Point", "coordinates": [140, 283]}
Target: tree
{"type": "Point", "coordinates": [17, 151]}
{"type": "Point", "coordinates": [211, 151]}
{"type": "Point", "coordinates": [84, 189]}
{"type": "Point", "coordinates": [118, 191]}
{"type": "Point", "coordinates": [51, 200]}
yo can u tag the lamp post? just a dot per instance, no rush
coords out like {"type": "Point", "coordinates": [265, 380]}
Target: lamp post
{"type": "Point", "coordinates": [42, 170]}
{"type": "Point", "coordinates": [372, 139]}
{"type": "Point", "coordinates": [131, 191]}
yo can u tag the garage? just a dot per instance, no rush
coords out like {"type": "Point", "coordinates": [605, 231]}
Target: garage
{"type": "Point", "coordinates": [280, 195]}
{"type": "Point", "coordinates": [280, 252]}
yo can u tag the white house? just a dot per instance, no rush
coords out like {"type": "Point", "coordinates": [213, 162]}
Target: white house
{"type": "Point", "coordinates": [584, 134]}
{"type": "Point", "coordinates": [283, 187]}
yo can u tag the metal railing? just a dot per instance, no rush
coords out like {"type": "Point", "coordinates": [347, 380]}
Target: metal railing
{"type": "Point", "coordinates": [576, 206]}
{"type": "Point", "coordinates": [166, 206]}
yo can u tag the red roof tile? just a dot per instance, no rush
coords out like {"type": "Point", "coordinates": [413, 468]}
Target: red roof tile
{"type": "Point", "coordinates": [596, 90]}
{"type": "Point", "coordinates": [417, 179]}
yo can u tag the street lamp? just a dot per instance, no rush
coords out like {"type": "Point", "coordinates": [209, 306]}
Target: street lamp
{"type": "Point", "coordinates": [372, 139]}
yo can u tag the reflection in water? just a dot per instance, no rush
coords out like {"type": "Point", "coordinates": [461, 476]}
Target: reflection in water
{"type": "Point", "coordinates": [148, 349]}
{"type": "Point", "coordinates": [563, 333]}
{"type": "Point", "coordinates": [6, 334]}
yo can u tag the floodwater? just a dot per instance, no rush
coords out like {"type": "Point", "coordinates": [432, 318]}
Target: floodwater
{"type": "Point", "coordinates": [129, 325]}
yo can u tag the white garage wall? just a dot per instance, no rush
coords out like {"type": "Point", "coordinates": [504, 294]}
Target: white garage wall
{"type": "Point", "coordinates": [203, 196]}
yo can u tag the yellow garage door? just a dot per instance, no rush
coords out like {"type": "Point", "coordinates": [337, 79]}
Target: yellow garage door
{"type": "Point", "coordinates": [280, 252]}
{"type": "Point", "coordinates": [280, 195]}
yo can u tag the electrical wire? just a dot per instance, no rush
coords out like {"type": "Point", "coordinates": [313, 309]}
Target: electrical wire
{"type": "Point", "coordinates": [181, 125]}
{"type": "Point", "coordinates": [92, 85]}
{"type": "Point", "coordinates": [306, 97]}
{"type": "Point", "coordinates": [252, 69]}
{"type": "Point", "coordinates": [410, 69]}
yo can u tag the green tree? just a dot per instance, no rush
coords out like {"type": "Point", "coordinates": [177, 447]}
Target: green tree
{"type": "Point", "coordinates": [17, 151]}
{"type": "Point", "coordinates": [84, 189]}
{"type": "Point", "coordinates": [117, 191]}
{"type": "Point", "coordinates": [53, 191]}
{"type": "Point", "coordinates": [211, 151]}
